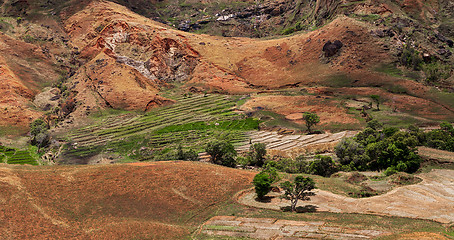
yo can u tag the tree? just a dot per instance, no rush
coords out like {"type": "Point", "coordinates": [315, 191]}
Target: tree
{"type": "Point", "coordinates": [271, 170]}
{"type": "Point", "coordinates": [189, 155]}
{"type": "Point", "coordinates": [257, 153]}
{"type": "Point", "coordinates": [323, 166]}
{"type": "Point", "coordinates": [300, 189]}
{"type": "Point", "coordinates": [374, 124]}
{"type": "Point", "coordinates": [297, 165]}
{"type": "Point", "coordinates": [376, 99]}
{"type": "Point", "coordinates": [351, 154]}
{"type": "Point", "coordinates": [311, 119]}
{"type": "Point", "coordinates": [39, 133]}
{"type": "Point", "coordinates": [442, 138]}
{"type": "Point", "coordinates": [262, 183]}
{"type": "Point", "coordinates": [222, 153]}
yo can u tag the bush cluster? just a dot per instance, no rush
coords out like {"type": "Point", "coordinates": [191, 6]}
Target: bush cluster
{"type": "Point", "coordinates": [374, 149]}
{"type": "Point", "coordinates": [442, 138]}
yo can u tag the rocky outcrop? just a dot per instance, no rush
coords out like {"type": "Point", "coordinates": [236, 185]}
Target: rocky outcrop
{"type": "Point", "coordinates": [47, 99]}
{"type": "Point", "coordinates": [332, 48]}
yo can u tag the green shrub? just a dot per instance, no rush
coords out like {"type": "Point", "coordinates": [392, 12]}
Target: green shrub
{"type": "Point", "coordinates": [411, 58]}
{"type": "Point", "coordinates": [390, 171]}
{"type": "Point", "coordinates": [442, 138]}
{"type": "Point", "coordinates": [189, 155]}
{"type": "Point", "coordinates": [436, 72]}
{"type": "Point", "coordinates": [262, 184]}
{"type": "Point", "coordinates": [323, 166]}
{"type": "Point", "coordinates": [374, 124]}
{"type": "Point", "coordinates": [351, 154]}
{"type": "Point", "coordinates": [297, 165]}
{"type": "Point", "coordinates": [271, 171]}
{"type": "Point", "coordinates": [222, 153]}
{"type": "Point", "coordinates": [243, 161]}
{"type": "Point", "coordinates": [372, 149]}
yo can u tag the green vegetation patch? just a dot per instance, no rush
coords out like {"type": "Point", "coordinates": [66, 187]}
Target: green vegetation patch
{"type": "Point", "coordinates": [272, 119]}
{"type": "Point", "coordinates": [367, 17]}
{"type": "Point", "coordinates": [338, 81]}
{"type": "Point", "coordinates": [389, 69]}
{"type": "Point", "coordinates": [242, 124]}
{"type": "Point", "coordinates": [22, 157]}
{"type": "Point", "coordinates": [13, 156]}
{"type": "Point", "coordinates": [191, 122]}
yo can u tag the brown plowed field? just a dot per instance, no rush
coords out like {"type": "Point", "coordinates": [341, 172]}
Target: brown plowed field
{"type": "Point", "coordinates": [162, 200]}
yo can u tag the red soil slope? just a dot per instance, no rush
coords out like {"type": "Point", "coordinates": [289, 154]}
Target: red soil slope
{"type": "Point", "coordinates": [162, 200]}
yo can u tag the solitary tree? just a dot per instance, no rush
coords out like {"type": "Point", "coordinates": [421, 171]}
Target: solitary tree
{"type": "Point", "coordinates": [311, 120]}
{"type": "Point", "coordinates": [262, 183]}
{"type": "Point", "coordinates": [39, 133]}
{"type": "Point", "coordinates": [376, 99]}
{"type": "Point", "coordinates": [300, 189]}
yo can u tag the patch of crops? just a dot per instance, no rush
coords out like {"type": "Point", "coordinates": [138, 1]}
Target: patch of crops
{"type": "Point", "coordinates": [21, 157]}
{"type": "Point", "coordinates": [243, 124]}
{"type": "Point", "coordinates": [191, 122]}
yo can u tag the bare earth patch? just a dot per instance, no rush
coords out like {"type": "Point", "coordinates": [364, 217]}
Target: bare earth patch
{"type": "Point", "coordinates": [270, 228]}
{"type": "Point", "coordinates": [293, 107]}
{"type": "Point", "coordinates": [432, 199]}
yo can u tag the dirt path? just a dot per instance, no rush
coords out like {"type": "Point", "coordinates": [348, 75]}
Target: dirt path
{"type": "Point", "coordinates": [433, 199]}
{"type": "Point", "coordinates": [270, 228]}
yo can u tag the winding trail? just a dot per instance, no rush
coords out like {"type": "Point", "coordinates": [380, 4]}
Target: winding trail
{"type": "Point", "coordinates": [432, 199]}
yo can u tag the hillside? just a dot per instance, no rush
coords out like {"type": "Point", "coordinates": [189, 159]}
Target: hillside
{"type": "Point", "coordinates": [154, 57]}
{"type": "Point", "coordinates": [102, 55]}
{"type": "Point", "coordinates": [110, 110]}
{"type": "Point", "coordinates": [165, 200]}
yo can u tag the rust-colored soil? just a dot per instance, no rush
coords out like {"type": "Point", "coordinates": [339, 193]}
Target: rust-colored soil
{"type": "Point", "coordinates": [129, 59]}
{"type": "Point", "coordinates": [23, 68]}
{"type": "Point", "coordinates": [125, 60]}
{"type": "Point", "coordinates": [293, 107]}
{"type": "Point", "coordinates": [163, 200]}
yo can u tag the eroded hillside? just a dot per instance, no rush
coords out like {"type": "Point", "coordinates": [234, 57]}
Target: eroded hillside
{"type": "Point", "coordinates": [120, 48]}
{"type": "Point", "coordinates": [110, 57]}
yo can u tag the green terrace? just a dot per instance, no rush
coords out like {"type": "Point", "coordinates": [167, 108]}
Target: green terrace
{"type": "Point", "coordinates": [14, 156]}
{"type": "Point", "coordinates": [191, 122]}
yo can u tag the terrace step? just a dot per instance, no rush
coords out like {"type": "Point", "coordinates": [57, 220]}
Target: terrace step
{"type": "Point", "coordinates": [204, 157]}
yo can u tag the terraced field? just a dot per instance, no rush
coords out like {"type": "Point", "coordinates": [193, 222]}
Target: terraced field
{"type": "Point", "coordinates": [292, 145]}
{"type": "Point", "coordinates": [191, 122]}
{"type": "Point", "coordinates": [13, 156]}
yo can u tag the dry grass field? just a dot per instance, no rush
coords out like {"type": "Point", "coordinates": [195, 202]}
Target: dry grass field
{"type": "Point", "coordinates": [163, 200]}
